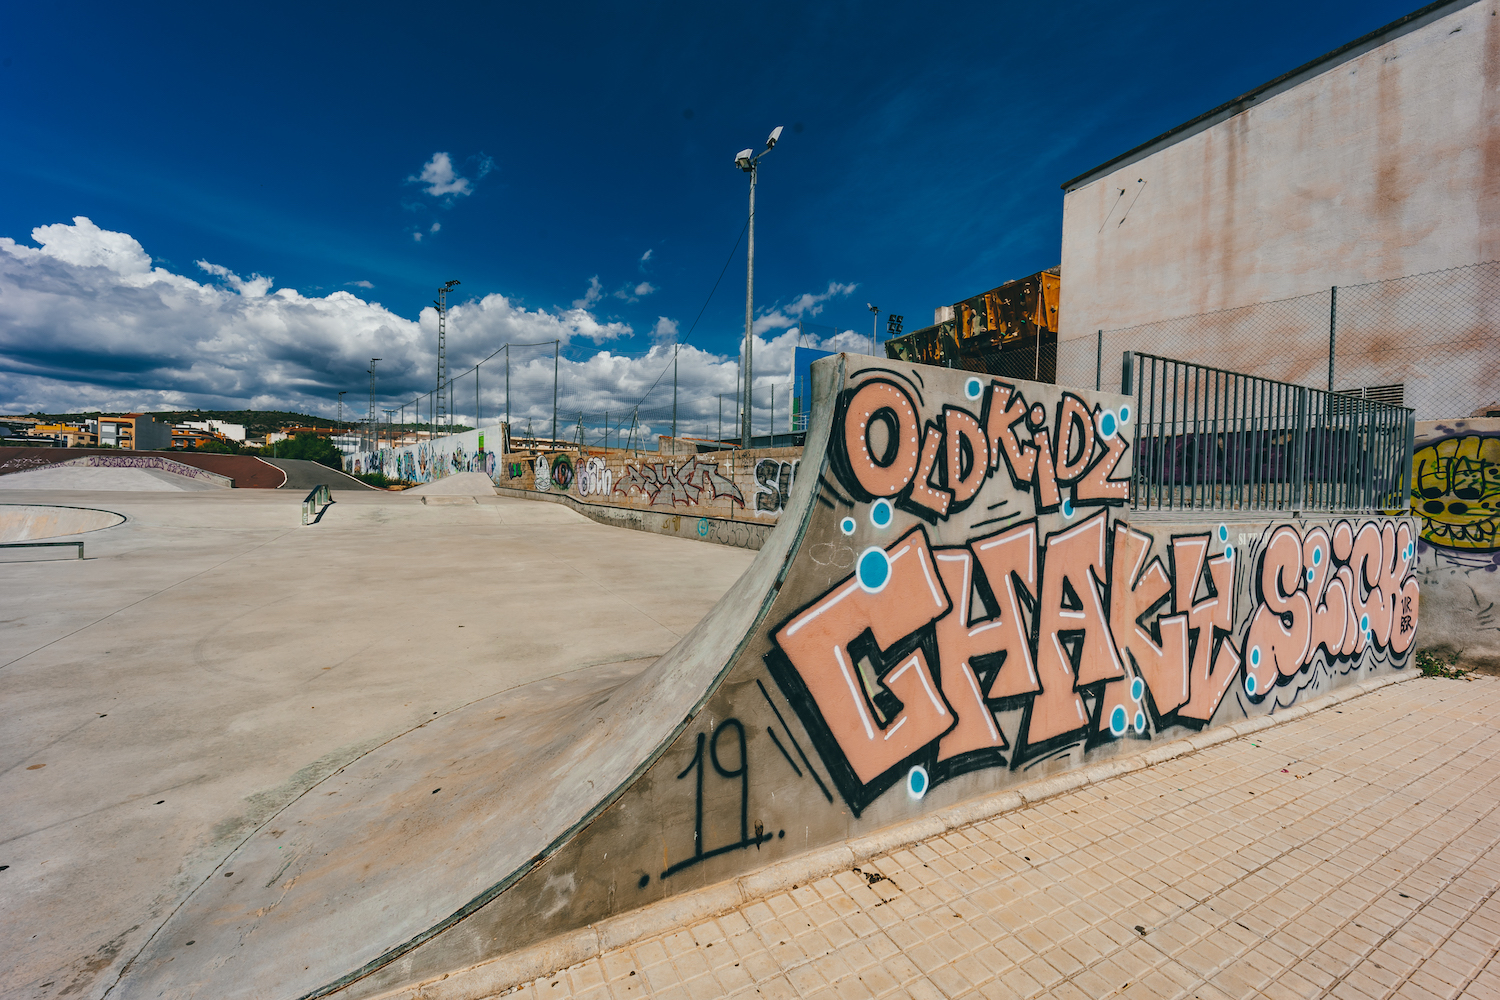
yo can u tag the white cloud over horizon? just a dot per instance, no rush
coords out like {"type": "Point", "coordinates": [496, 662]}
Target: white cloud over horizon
{"type": "Point", "coordinates": [88, 321]}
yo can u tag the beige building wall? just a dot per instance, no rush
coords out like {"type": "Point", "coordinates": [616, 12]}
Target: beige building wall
{"type": "Point", "coordinates": [1379, 161]}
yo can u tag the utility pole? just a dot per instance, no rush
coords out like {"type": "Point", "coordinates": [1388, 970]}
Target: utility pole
{"type": "Point", "coordinates": [341, 410]}
{"type": "Point", "coordinates": [749, 164]}
{"type": "Point", "coordinates": [442, 359]}
{"type": "Point", "coordinates": [874, 324]}
{"type": "Point", "coordinates": [674, 399]}
{"type": "Point", "coordinates": [507, 385]}
{"type": "Point", "coordinates": [556, 350]}
{"type": "Point", "coordinates": [370, 411]}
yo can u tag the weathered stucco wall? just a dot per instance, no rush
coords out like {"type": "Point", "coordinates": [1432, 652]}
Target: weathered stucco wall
{"type": "Point", "coordinates": [1387, 164]}
{"type": "Point", "coordinates": [1456, 497]}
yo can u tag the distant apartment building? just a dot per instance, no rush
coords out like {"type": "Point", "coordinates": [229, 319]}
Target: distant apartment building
{"type": "Point", "coordinates": [67, 435]}
{"type": "Point", "coordinates": [134, 432]}
{"type": "Point", "coordinates": [217, 428]}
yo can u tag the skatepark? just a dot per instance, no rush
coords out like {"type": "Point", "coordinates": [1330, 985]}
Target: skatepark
{"type": "Point", "coordinates": [443, 743]}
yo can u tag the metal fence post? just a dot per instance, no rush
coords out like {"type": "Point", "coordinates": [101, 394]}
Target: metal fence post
{"type": "Point", "coordinates": [1333, 316]}
{"type": "Point", "coordinates": [1299, 468]}
{"type": "Point", "coordinates": [1127, 374]}
{"type": "Point", "coordinates": [1099, 361]}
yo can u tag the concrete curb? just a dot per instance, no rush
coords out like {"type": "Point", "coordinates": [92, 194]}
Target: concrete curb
{"type": "Point", "coordinates": [478, 982]}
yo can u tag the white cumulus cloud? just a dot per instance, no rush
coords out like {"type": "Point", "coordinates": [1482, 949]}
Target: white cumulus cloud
{"type": "Point", "coordinates": [804, 306]}
{"type": "Point", "coordinates": [441, 179]}
{"type": "Point", "coordinates": [88, 322]}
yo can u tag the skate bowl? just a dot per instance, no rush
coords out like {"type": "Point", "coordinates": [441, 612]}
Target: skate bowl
{"type": "Point", "coordinates": [36, 522]}
{"type": "Point", "coordinates": [956, 601]}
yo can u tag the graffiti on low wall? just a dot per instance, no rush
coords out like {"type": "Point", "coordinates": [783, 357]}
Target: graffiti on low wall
{"type": "Point", "coordinates": [731, 485]}
{"type": "Point", "coordinates": [1019, 638]}
{"type": "Point", "coordinates": [1456, 497]}
{"type": "Point", "coordinates": [429, 461]}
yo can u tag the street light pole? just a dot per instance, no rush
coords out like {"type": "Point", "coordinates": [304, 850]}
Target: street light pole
{"type": "Point", "coordinates": [874, 324]}
{"type": "Point", "coordinates": [749, 164]}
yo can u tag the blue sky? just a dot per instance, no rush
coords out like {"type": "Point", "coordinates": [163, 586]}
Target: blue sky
{"type": "Point", "coordinates": [921, 163]}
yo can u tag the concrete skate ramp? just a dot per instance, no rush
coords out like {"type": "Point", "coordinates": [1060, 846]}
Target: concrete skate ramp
{"type": "Point", "coordinates": [466, 484]}
{"type": "Point", "coordinates": [64, 476]}
{"type": "Point", "coordinates": [34, 522]}
{"type": "Point", "coordinates": [952, 603]}
{"type": "Point", "coordinates": [304, 475]}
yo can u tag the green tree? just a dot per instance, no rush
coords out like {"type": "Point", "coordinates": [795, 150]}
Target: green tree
{"type": "Point", "coordinates": [310, 447]}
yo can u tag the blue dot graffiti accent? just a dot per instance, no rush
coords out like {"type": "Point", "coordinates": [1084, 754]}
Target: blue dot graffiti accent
{"type": "Point", "coordinates": [1124, 414]}
{"type": "Point", "coordinates": [1107, 425]}
{"type": "Point", "coordinates": [874, 570]}
{"type": "Point", "coordinates": [881, 513]}
{"type": "Point", "coordinates": [1067, 508]}
{"type": "Point", "coordinates": [1137, 688]}
{"type": "Point", "coordinates": [847, 525]}
{"type": "Point", "coordinates": [1117, 720]}
{"type": "Point", "coordinates": [916, 782]}
{"type": "Point", "coordinates": [1318, 555]}
{"type": "Point", "coordinates": [1250, 684]}
{"type": "Point", "coordinates": [1223, 532]}
{"type": "Point", "coordinates": [973, 388]}
{"type": "Point", "coordinates": [1140, 721]}
{"type": "Point", "coordinates": [1255, 656]}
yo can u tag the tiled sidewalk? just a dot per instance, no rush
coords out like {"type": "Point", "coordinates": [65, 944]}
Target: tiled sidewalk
{"type": "Point", "coordinates": [1348, 854]}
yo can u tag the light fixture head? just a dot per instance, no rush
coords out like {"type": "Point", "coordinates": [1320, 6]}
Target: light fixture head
{"type": "Point", "coordinates": [775, 135]}
{"type": "Point", "coordinates": [742, 160]}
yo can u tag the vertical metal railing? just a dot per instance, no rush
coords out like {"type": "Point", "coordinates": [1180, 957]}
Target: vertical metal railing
{"type": "Point", "coordinates": [1212, 439]}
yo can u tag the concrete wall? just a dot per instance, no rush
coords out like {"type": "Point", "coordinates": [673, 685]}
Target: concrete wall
{"type": "Point", "coordinates": [957, 603]}
{"type": "Point", "coordinates": [728, 497]}
{"type": "Point", "coordinates": [1456, 496]}
{"type": "Point", "coordinates": [1383, 165]}
{"type": "Point", "coordinates": [427, 462]}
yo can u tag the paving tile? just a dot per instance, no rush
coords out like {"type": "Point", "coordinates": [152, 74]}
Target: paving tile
{"type": "Point", "coordinates": [1364, 871]}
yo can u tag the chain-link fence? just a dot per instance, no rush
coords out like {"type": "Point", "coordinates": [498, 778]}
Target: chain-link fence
{"type": "Point", "coordinates": [579, 394]}
{"type": "Point", "coordinates": [1429, 341]}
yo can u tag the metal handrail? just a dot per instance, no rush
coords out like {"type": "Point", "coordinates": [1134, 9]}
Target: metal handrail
{"type": "Point", "coordinates": [40, 545]}
{"type": "Point", "coordinates": [314, 502]}
{"type": "Point", "coordinates": [1212, 439]}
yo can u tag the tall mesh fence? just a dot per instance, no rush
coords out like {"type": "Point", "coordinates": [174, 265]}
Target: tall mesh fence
{"type": "Point", "coordinates": [1428, 341]}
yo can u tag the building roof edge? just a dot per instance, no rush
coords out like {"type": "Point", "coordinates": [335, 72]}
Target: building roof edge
{"type": "Point", "coordinates": [1401, 26]}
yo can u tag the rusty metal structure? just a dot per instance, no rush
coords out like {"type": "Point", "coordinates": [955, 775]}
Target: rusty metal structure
{"type": "Point", "coordinates": [1010, 330]}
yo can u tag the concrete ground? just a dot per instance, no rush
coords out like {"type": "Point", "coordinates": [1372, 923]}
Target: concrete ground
{"type": "Point", "coordinates": [212, 658]}
{"type": "Point", "coordinates": [1350, 854]}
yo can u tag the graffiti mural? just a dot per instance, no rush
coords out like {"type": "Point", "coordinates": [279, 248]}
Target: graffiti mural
{"type": "Point", "coordinates": [1041, 621]}
{"type": "Point", "coordinates": [595, 478]}
{"type": "Point", "coordinates": [694, 482]}
{"type": "Point", "coordinates": [1456, 491]}
{"type": "Point", "coordinates": [1455, 494]}
{"type": "Point", "coordinates": [773, 484]}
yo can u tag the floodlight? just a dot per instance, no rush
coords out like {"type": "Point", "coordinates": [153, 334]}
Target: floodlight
{"type": "Point", "coordinates": [775, 134]}
{"type": "Point", "coordinates": [742, 159]}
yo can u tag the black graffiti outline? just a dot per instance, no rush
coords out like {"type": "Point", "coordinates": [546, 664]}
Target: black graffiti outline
{"type": "Point", "coordinates": [743, 773]}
